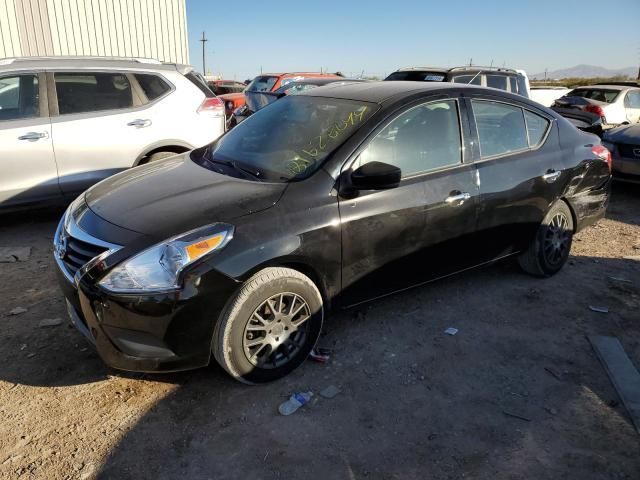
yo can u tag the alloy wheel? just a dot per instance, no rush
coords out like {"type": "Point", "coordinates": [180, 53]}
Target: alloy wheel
{"type": "Point", "coordinates": [557, 239]}
{"type": "Point", "coordinates": [276, 330]}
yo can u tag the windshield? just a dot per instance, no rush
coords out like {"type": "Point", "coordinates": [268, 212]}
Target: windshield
{"type": "Point", "coordinates": [598, 94]}
{"type": "Point", "coordinates": [289, 140]}
{"type": "Point", "coordinates": [418, 76]}
{"type": "Point", "coordinates": [262, 83]}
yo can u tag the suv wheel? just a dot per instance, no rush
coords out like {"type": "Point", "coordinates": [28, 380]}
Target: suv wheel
{"type": "Point", "coordinates": [549, 250]}
{"type": "Point", "coordinates": [269, 326]}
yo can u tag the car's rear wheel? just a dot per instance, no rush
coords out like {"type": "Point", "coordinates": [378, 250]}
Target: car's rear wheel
{"type": "Point", "coordinates": [549, 250]}
{"type": "Point", "coordinates": [269, 327]}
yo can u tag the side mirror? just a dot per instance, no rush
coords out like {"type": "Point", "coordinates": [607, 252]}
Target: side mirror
{"type": "Point", "coordinates": [376, 176]}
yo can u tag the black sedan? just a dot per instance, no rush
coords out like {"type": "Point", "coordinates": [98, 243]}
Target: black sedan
{"type": "Point", "coordinates": [326, 199]}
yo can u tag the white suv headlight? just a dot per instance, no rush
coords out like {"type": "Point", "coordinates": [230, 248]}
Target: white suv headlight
{"type": "Point", "coordinates": [158, 267]}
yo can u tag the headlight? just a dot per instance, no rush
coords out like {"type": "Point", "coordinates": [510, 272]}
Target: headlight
{"type": "Point", "coordinates": [159, 267]}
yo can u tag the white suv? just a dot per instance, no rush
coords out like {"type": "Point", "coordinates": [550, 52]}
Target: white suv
{"type": "Point", "coordinates": [67, 123]}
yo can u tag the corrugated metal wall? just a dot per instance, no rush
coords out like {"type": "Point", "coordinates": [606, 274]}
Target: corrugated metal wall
{"type": "Point", "coordinates": [121, 28]}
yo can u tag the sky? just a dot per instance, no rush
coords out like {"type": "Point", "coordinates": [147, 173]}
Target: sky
{"type": "Point", "coordinates": [377, 37]}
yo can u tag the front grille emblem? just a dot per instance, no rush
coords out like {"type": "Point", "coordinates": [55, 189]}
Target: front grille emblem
{"type": "Point", "coordinates": [61, 247]}
{"type": "Point", "coordinates": [636, 152]}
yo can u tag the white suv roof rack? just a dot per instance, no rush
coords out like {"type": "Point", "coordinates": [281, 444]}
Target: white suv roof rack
{"type": "Point", "coordinates": [10, 60]}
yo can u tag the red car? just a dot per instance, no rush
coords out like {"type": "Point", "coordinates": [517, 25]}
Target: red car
{"type": "Point", "coordinates": [267, 82]}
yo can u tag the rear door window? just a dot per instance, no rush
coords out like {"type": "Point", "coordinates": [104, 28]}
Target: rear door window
{"type": "Point", "coordinates": [19, 97]}
{"type": "Point", "coordinates": [92, 92]}
{"type": "Point", "coordinates": [152, 85]}
{"type": "Point", "coordinates": [497, 81]}
{"type": "Point", "coordinates": [421, 139]}
{"type": "Point", "coordinates": [501, 128]}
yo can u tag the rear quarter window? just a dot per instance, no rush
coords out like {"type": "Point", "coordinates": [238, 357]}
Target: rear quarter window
{"type": "Point", "coordinates": [537, 127]}
{"type": "Point", "coordinates": [152, 85]}
{"type": "Point", "coordinates": [200, 83]}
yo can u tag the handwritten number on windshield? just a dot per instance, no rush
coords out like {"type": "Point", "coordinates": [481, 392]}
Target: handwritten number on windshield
{"type": "Point", "coordinates": [319, 144]}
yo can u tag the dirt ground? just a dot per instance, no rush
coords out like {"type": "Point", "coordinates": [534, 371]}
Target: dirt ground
{"type": "Point", "coordinates": [414, 403]}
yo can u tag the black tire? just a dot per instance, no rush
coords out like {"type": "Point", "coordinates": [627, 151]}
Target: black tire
{"type": "Point", "coordinates": [159, 156]}
{"type": "Point", "coordinates": [549, 250]}
{"type": "Point", "coordinates": [238, 327]}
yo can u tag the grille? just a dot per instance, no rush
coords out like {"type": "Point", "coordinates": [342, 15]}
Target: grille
{"type": "Point", "coordinates": [626, 150]}
{"type": "Point", "coordinates": [79, 253]}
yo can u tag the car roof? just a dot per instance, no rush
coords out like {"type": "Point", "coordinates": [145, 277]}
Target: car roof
{"type": "Point", "coordinates": [471, 69]}
{"type": "Point", "coordinates": [606, 87]}
{"type": "Point", "coordinates": [85, 62]}
{"type": "Point", "coordinates": [378, 92]}
{"type": "Point", "coordinates": [324, 81]}
{"type": "Point", "coordinates": [315, 74]}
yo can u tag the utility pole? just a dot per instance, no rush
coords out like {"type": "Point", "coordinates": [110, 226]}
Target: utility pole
{"type": "Point", "coordinates": [545, 74]}
{"type": "Point", "coordinates": [204, 67]}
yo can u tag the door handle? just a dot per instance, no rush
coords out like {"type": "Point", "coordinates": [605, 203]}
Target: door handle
{"type": "Point", "coordinates": [551, 176]}
{"type": "Point", "coordinates": [140, 123]}
{"type": "Point", "coordinates": [33, 136]}
{"type": "Point", "coordinates": [457, 199]}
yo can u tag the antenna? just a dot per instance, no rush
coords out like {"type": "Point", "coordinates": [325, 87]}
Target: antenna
{"type": "Point", "coordinates": [474, 77]}
{"type": "Point", "coordinates": [203, 40]}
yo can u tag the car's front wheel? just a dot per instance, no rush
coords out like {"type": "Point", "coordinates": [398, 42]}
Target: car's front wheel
{"type": "Point", "coordinates": [549, 250]}
{"type": "Point", "coordinates": [269, 326]}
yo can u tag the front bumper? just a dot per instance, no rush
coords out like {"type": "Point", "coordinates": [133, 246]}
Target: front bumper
{"type": "Point", "coordinates": [155, 332]}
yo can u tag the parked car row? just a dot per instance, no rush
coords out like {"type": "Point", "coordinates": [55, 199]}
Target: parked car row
{"type": "Point", "coordinates": [326, 199]}
{"type": "Point", "coordinates": [332, 192]}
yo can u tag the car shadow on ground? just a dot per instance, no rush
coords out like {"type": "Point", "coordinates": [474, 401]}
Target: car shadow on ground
{"type": "Point", "coordinates": [416, 402]}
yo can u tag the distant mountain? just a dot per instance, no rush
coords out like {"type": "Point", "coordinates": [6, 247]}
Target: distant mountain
{"type": "Point", "coordinates": [587, 71]}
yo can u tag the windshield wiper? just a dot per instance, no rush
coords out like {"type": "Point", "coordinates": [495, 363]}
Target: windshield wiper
{"type": "Point", "coordinates": [238, 168]}
{"type": "Point", "coordinates": [251, 173]}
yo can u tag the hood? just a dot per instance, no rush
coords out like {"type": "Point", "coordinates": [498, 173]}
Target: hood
{"type": "Point", "coordinates": [175, 195]}
{"type": "Point", "coordinates": [629, 134]}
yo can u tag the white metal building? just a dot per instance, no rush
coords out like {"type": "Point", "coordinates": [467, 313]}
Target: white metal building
{"type": "Point", "coordinates": [122, 28]}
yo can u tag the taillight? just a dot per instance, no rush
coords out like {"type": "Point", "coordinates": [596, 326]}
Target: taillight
{"type": "Point", "coordinates": [603, 153]}
{"type": "Point", "coordinates": [597, 109]}
{"type": "Point", "coordinates": [213, 104]}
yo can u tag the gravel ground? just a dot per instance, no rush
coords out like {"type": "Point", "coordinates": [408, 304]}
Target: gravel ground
{"type": "Point", "coordinates": [517, 394]}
